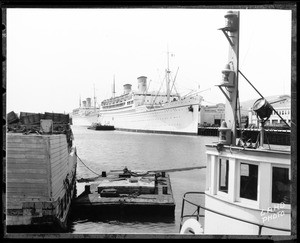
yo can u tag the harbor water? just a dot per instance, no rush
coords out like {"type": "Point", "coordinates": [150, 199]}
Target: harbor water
{"type": "Point", "coordinates": [113, 150]}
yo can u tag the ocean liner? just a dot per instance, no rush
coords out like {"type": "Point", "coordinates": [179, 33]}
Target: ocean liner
{"type": "Point", "coordinates": [86, 114]}
{"type": "Point", "coordinates": [152, 112]}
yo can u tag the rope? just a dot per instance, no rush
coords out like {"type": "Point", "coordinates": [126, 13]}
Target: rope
{"type": "Point", "coordinates": [86, 165]}
{"type": "Point", "coordinates": [179, 169]}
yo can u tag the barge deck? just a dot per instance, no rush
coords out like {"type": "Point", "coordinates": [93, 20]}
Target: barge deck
{"type": "Point", "coordinates": [119, 194]}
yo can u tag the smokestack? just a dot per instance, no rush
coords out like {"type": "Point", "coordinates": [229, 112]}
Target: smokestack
{"type": "Point", "coordinates": [88, 101]}
{"type": "Point", "coordinates": [127, 88]}
{"type": "Point", "coordinates": [142, 83]}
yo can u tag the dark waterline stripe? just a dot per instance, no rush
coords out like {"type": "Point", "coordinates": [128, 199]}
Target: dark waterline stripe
{"type": "Point", "coordinates": [157, 132]}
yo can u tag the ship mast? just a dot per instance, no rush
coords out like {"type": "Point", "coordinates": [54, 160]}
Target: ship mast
{"type": "Point", "coordinates": [229, 84]}
{"type": "Point", "coordinates": [94, 98]}
{"type": "Point", "coordinates": [113, 88]}
{"type": "Point", "coordinates": [168, 77]}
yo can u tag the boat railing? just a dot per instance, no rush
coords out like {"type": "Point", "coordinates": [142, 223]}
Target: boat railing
{"type": "Point", "coordinates": [197, 214]}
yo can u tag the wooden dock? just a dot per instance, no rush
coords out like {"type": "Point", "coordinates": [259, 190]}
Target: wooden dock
{"type": "Point", "coordinates": [147, 194]}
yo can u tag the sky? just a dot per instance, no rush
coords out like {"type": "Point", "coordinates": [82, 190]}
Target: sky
{"type": "Point", "coordinates": [55, 57]}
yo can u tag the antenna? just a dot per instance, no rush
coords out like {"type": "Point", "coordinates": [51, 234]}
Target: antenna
{"type": "Point", "coordinates": [94, 98]}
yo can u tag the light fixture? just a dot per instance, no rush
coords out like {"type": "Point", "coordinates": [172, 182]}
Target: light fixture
{"type": "Point", "coordinates": [225, 77]}
{"type": "Point", "coordinates": [231, 23]}
{"type": "Point", "coordinates": [263, 109]}
{"type": "Point", "coordinates": [224, 134]}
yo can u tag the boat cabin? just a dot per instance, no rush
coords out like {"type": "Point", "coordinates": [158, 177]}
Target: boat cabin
{"type": "Point", "coordinates": [251, 187]}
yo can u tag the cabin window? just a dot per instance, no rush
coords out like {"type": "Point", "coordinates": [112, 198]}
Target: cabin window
{"type": "Point", "coordinates": [223, 175]}
{"type": "Point", "coordinates": [249, 179]}
{"type": "Point", "coordinates": [280, 185]}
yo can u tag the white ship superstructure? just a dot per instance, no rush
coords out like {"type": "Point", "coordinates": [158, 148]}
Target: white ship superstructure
{"type": "Point", "coordinates": [86, 114]}
{"type": "Point", "coordinates": [143, 111]}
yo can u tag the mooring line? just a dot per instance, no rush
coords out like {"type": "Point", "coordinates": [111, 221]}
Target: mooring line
{"type": "Point", "coordinates": [178, 169]}
{"type": "Point", "coordinates": [86, 165]}
{"type": "Point", "coordinates": [171, 170]}
{"type": "Point", "coordinates": [164, 170]}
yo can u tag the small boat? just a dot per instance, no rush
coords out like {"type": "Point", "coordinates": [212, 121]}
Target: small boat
{"type": "Point", "coordinates": [248, 185]}
{"type": "Point", "coordinates": [126, 192]}
{"type": "Point", "coordinates": [40, 172]}
{"type": "Point", "coordinates": [99, 126]}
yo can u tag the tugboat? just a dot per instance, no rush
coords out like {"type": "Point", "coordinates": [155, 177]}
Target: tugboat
{"type": "Point", "coordinates": [247, 185]}
{"type": "Point", "coordinates": [98, 126]}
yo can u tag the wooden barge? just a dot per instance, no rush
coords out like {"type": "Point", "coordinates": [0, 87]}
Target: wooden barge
{"type": "Point", "coordinates": [40, 172]}
{"type": "Point", "coordinates": [127, 193]}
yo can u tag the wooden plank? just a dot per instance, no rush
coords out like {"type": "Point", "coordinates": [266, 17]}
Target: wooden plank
{"type": "Point", "coordinates": [58, 193]}
{"type": "Point", "coordinates": [57, 187]}
{"type": "Point", "coordinates": [60, 161]}
{"type": "Point", "coordinates": [60, 152]}
{"type": "Point", "coordinates": [20, 145]}
{"type": "Point", "coordinates": [19, 139]}
{"type": "Point", "coordinates": [26, 180]}
{"type": "Point", "coordinates": [24, 185]}
{"type": "Point", "coordinates": [26, 171]}
{"type": "Point", "coordinates": [28, 190]}
{"type": "Point", "coordinates": [20, 161]}
{"type": "Point", "coordinates": [58, 145]}
{"type": "Point", "coordinates": [59, 177]}
{"type": "Point", "coordinates": [61, 173]}
{"type": "Point", "coordinates": [27, 150]}
{"type": "Point", "coordinates": [14, 146]}
{"type": "Point", "coordinates": [59, 158]}
{"type": "Point", "coordinates": [17, 165]}
{"type": "Point", "coordinates": [56, 149]}
{"type": "Point", "coordinates": [24, 174]}
{"type": "Point", "coordinates": [25, 156]}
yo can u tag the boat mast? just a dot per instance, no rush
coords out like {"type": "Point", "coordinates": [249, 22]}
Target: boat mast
{"type": "Point", "coordinates": [229, 84]}
{"type": "Point", "coordinates": [94, 98]}
{"type": "Point", "coordinates": [168, 77]}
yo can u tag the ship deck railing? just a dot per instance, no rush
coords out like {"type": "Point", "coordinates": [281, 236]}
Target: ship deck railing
{"type": "Point", "coordinates": [197, 214]}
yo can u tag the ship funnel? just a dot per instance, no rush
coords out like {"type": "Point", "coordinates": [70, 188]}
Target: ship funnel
{"type": "Point", "coordinates": [127, 88]}
{"type": "Point", "coordinates": [84, 103]}
{"type": "Point", "coordinates": [88, 102]}
{"type": "Point", "coordinates": [142, 83]}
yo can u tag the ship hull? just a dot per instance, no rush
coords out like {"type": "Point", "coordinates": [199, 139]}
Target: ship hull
{"type": "Point", "coordinates": [84, 120]}
{"type": "Point", "coordinates": [41, 182]}
{"type": "Point", "coordinates": [178, 117]}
